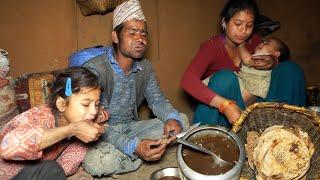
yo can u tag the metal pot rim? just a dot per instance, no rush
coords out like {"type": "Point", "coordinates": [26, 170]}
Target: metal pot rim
{"type": "Point", "coordinates": [186, 170]}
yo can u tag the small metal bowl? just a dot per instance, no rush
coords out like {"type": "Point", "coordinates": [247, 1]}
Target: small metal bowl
{"type": "Point", "coordinates": [314, 108]}
{"type": "Point", "coordinates": [166, 172]}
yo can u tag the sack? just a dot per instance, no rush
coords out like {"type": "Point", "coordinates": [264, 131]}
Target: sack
{"type": "Point", "coordinates": [8, 104]}
{"type": "Point", "coordinates": [80, 57]}
{"type": "Point", "coordinates": [7, 99]}
{"type": "Point", "coordinates": [4, 63]}
{"type": "Point", "coordinates": [90, 7]}
{"type": "Point", "coordinates": [265, 25]}
{"type": "Point", "coordinates": [5, 118]}
{"type": "Point", "coordinates": [33, 90]}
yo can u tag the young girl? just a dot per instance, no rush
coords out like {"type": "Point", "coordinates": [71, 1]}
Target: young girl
{"type": "Point", "coordinates": [48, 142]}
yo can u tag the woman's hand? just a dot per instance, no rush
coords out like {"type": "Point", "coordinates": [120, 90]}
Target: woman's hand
{"type": "Point", "coordinates": [264, 62]}
{"type": "Point", "coordinates": [102, 116]}
{"type": "Point", "coordinates": [232, 113]}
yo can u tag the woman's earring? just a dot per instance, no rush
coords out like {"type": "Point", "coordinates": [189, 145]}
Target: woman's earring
{"type": "Point", "coordinates": [224, 26]}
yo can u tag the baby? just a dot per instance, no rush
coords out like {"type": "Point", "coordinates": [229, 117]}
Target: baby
{"type": "Point", "coordinates": [253, 82]}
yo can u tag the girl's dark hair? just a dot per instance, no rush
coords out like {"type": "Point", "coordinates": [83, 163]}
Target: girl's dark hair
{"type": "Point", "coordinates": [234, 6]}
{"type": "Point", "coordinates": [80, 78]}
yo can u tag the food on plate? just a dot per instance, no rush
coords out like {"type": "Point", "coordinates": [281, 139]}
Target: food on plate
{"type": "Point", "coordinates": [279, 152]}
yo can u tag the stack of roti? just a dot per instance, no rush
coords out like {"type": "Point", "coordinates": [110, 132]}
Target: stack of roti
{"type": "Point", "coordinates": [279, 153]}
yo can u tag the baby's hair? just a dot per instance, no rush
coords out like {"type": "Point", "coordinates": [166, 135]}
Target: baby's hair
{"type": "Point", "coordinates": [283, 49]}
{"type": "Point", "coordinates": [80, 78]}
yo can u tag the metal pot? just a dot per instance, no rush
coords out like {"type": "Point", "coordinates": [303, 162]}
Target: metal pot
{"type": "Point", "coordinates": [313, 96]}
{"type": "Point", "coordinates": [233, 173]}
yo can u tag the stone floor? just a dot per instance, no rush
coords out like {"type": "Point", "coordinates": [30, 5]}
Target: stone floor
{"type": "Point", "coordinates": [143, 173]}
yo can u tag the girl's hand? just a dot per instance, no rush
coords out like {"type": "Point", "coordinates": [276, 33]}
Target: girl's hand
{"type": "Point", "coordinates": [87, 131]}
{"type": "Point", "coordinates": [102, 116]}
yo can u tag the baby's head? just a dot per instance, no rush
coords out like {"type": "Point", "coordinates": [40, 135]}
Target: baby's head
{"type": "Point", "coordinates": [274, 47]}
{"type": "Point", "coordinates": [75, 93]}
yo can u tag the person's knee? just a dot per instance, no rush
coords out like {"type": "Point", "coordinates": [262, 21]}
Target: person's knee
{"type": "Point", "coordinates": [51, 164]}
{"type": "Point", "coordinates": [95, 169]}
{"type": "Point", "coordinates": [205, 114]}
{"type": "Point", "coordinates": [99, 161]}
{"type": "Point", "coordinates": [223, 79]}
{"type": "Point", "coordinates": [48, 169]}
{"type": "Point", "coordinates": [288, 68]}
{"type": "Point", "coordinates": [287, 71]}
{"type": "Point", "coordinates": [54, 169]}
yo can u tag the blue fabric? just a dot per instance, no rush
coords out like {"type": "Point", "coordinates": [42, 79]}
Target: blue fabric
{"type": "Point", "coordinates": [225, 83]}
{"type": "Point", "coordinates": [287, 85]}
{"type": "Point", "coordinates": [115, 66]}
{"type": "Point", "coordinates": [131, 146]}
{"type": "Point", "coordinates": [121, 107]}
{"type": "Point", "coordinates": [80, 57]}
{"type": "Point", "coordinates": [105, 159]}
{"type": "Point", "coordinates": [175, 116]}
{"type": "Point", "coordinates": [122, 102]}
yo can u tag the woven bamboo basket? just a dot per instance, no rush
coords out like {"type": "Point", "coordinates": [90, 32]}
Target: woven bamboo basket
{"type": "Point", "coordinates": [260, 116]}
{"type": "Point", "coordinates": [91, 7]}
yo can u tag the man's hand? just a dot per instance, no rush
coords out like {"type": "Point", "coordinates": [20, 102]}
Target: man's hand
{"type": "Point", "coordinates": [87, 131]}
{"type": "Point", "coordinates": [171, 125]}
{"type": "Point", "coordinates": [150, 150]}
{"type": "Point", "coordinates": [264, 62]}
{"type": "Point", "coordinates": [232, 113]}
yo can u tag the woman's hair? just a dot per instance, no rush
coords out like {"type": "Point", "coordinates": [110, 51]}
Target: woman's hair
{"type": "Point", "coordinates": [283, 49]}
{"type": "Point", "coordinates": [234, 6]}
{"type": "Point", "coordinates": [80, 78]}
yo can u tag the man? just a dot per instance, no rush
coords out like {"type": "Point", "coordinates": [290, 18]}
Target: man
{"type": "Point", "coordinates": [127, 78]}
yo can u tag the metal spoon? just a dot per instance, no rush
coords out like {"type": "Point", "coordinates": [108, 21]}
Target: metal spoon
{"type": "Point", "coordinates": [216, 158]}
{"type": "Point", "coordinates": [180, 135]}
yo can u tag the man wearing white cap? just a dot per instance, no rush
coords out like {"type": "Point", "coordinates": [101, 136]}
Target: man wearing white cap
{"type": "Point", "coordinates": [127, 79]}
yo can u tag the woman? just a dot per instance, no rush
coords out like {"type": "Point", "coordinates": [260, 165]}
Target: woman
{"type": "Point", "coordinates": [221, 100]}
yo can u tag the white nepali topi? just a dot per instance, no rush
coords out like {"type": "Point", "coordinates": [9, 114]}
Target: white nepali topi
{"type": "Point", "coordinates": [127, 11]}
